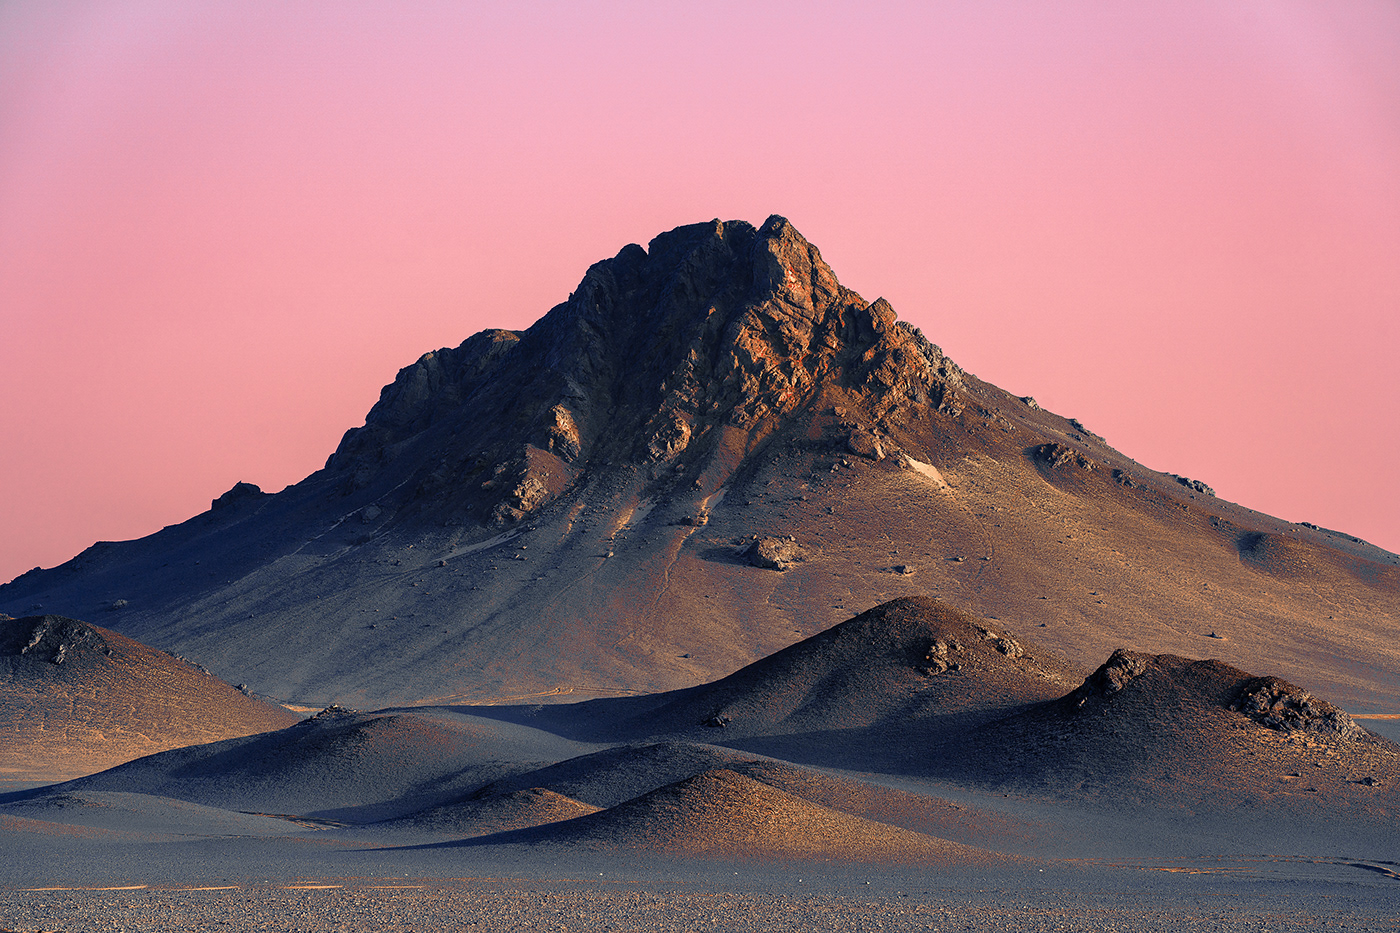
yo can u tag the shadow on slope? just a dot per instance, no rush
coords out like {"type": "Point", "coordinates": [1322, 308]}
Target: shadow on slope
{"type": "Point", "coordinates": [338, 765]}
{"type": "Point", "coordinates": [614, 776]}
{"type": "Point", "coordinates": [144, 813]}
{"type": "Point", "coordinates": [483, 814]}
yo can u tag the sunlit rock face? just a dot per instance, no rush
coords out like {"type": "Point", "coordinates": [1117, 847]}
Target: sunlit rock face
{"type": "Point", "coordinates": [713, 326]}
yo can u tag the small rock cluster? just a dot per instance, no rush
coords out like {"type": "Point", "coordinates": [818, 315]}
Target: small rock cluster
{"type": "Point", "coordinates": [1004, 644]}
{"type": "Point", "coordinates": [775, 552]}
{"type": "Point", "coordinates": [1058, 455]}
{"type": "Point", "coordinates": [1193, 484]}
{"type": "Point", "coordinates": [936, 660]}
{"type": "Point", "coordinates": [56, 639]}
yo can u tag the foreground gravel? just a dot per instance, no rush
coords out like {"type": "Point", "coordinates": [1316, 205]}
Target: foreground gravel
{"type": "Point", "coordinates": [487, 906]}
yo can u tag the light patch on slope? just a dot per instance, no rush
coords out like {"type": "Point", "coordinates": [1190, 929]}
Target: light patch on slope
{"type": "Point", "coordinates": [633, 516]}
{"type": "Point", "coordinates": [927, 470]}
{"type": "Point", "coordinates": [712, 501]}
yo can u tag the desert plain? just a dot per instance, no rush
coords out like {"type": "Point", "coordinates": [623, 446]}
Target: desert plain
{"type": "Point", "coordinates": [718, 599]}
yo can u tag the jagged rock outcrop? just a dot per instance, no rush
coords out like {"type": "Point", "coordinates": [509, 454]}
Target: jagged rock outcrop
{"type": "Point", "coordinates": [1111, 677]}
{"type": "Point", "coordinates": [52, 639]}
{"type": "Point", "coordinates": [713, 327]}
{"type": "Point", "coordinates": [1058, 455]}
{"type": "Point", "coordinates": [1280, 705]}
{"type": "Point", "coordinates": [240, 493]}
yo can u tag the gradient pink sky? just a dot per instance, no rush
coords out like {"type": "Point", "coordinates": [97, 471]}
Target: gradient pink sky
{"type": "Point", "coordinates": [223, 226]}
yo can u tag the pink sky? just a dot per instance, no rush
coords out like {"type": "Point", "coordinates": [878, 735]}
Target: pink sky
{"type": "Point", "coordinates": [223, 226]}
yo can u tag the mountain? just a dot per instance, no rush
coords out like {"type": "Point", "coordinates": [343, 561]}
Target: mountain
{"type": "Point", "coordinates": [76, 698]}
{"type": "Point", "coordinates": [713, 450]}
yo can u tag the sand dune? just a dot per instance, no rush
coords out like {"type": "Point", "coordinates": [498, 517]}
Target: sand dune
{"type": "Point", "coordinates": [486, 813]}
{"type": "Point", "coordinates": [339, 764]}
{"type": "Point", "coordinates": [721, 813]}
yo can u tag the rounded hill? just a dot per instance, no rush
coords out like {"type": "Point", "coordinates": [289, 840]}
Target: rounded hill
{"type": "Point", "coordinates": [75, 699]}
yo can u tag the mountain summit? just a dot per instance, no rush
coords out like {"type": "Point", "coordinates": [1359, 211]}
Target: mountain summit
{"type": "Point", "coordinates": [712, 450]}
{"type": "Point", "coordinates": [688, 353]}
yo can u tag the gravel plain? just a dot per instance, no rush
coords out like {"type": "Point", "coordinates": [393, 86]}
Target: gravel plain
{"type": "Point", "coordinates": [487, 905]}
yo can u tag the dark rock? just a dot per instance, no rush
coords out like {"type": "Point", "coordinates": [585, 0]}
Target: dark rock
{"type": "Point", "coordinates": [1111, 677]}
{"type": "Point", "coordinates": [936, 659]}
{"type": "Point", "coordinates": [1058, 455]}
{"type": "Point", "coordinates": [331, 714]}
{"type": "Point", "coordinates": [53, 639]}
{"type": "Point", "coordinates": [1280, 705]}
{"type": "Point", "coordinates": [1194, 484]}
{"type": "Point", "coordinates": [1079, 426]}
{"type": "Point", "coordinates": [240, 493]}
{"type": "Point", "coordinates": [863, 443]}
{"type": "Point", "coordinates": [773, 552]}
{"type": "Point", "coordinates": [1009, 647]}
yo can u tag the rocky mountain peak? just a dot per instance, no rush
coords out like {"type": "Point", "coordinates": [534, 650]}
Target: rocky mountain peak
{"type": "Point", "coordinates": [711, 336]}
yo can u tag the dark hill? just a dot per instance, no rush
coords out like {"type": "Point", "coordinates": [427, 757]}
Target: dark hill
{"type": "Point", "coordinates": [905, 660]}
{"type": "Point", "coordinates": [497, 813]}
{"type": "Point", "coordinates": [1165, 731]}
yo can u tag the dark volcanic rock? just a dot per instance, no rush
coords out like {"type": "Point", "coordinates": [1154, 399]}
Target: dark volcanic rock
{"type": "Point", "coordinates": [1193, 484]}
{"type": "Point", "coordinates": [241, 492]}
{"type": "Point", "coordinates": [1058, 455]}
{"type": "Point", "coordinates": [1111, 677]}
{"type": "Point", "coordinates": [51, 640]}
{"type": "Point", "coordinates": [772, 552]}
{"type": "Point", "coordinates": [1283, 706]}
